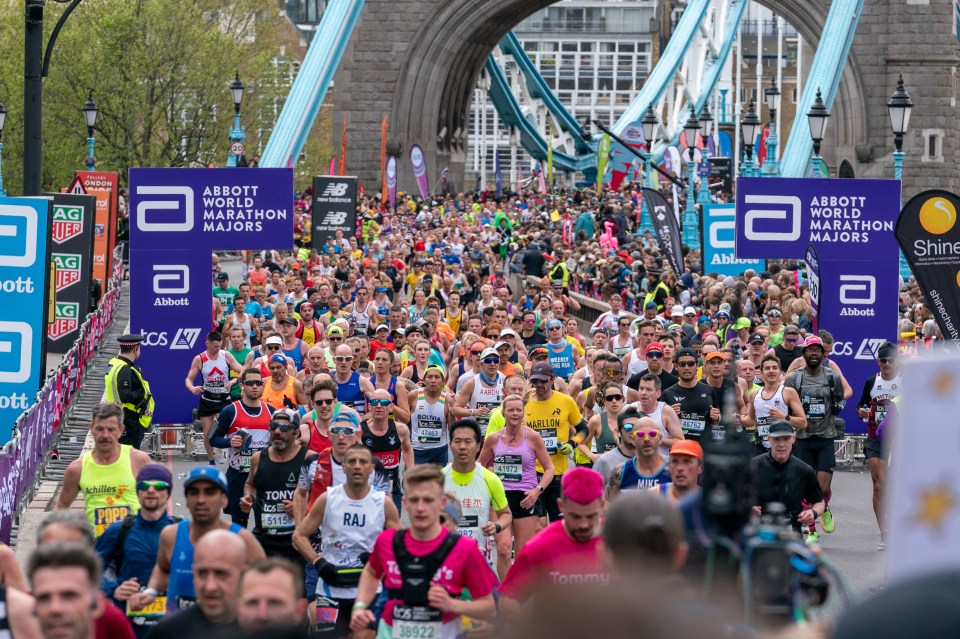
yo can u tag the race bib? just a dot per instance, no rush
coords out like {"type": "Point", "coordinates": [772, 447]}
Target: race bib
{"type": "Point", "coordinates": [509, 468]}
{"type": "Point", "coordinates": [429, 435]}
{"type": "Point", "coordinates": [417, 622]}
{"type": "Point", "coordinates": [817, 409]}
{"type": "Point", "coordinates": [689, 424]}
{"type": "Point", "coordinates": [155, 610]}
{"type": "Point", "coordinates": [469, 526]}
{"type": "Point", "coordinates": [326, 614]}
{"type": "Point", "coordinates": [103, 517]}
{"type": "Point", "coordinates": [763, 426]}
{"type": "Point", "coordinates": [245, 459]}
{"type": "Point", "coordinates": [278, 522]}
{"type": "Point", "coordinates": [550, 439]}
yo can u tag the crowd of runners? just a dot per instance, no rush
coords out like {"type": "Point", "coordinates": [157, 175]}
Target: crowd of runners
{"type": "Point", "coordinates": [408, 441]}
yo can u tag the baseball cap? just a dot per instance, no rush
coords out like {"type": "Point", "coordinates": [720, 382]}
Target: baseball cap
{"type": "Point", "coordinates": [714, 355]}
{"type": "Point", "coordinates": [774, 312]}
{"type": "Point", "coordinates": [689, 311]}
{"type": "Point", "coordinates": [382, 327]}
{"type": "Point", "coordinates": [399, 331]}
{"type": "Point", "coordinates": [290, 321]}
{"type": "Point", "coordinates": [655, 346]}
{"type": "Point", "coordinates": [508, 331]}
{"type": "Point", "coordinates": [687, 448]}
{"type": "Point", "coordinates": [742, 322]}
{"type": "Point", "coordinates": [791, 330]}
{"type": "Point", "coordinates": [279, 359]}
{"type": "Point", "coordinates": [781, 428]}
{"type": "Point", "coordinates": [274, 339]}
{"type": "Point", "coordinates": [541, 370]}
{"type": "Point", "coordinates": [538, 351]}
{"type": "Point", "coordinates": [222, 276]}
{"type": "Point", "coordinates": [704, 319]}
{"type": "Point", "coordinates": [478, 347]}
{"type": "Point", "coordinates": [652, 305]}
{"type": "Point", "coordinates": [489, 352]}
{"type": "Point", "coordinates": [676, 311]}
{"type": "Point", "coordinates": [813, 340]}
{"type": "Point", "coordinates": [208, 473]}
{"type": "Point", "coordinates": [334, 329]}
{"type": "Point", "coordinates": [756, 338]}
{"type": "Point", "coordinates": [500, 345]}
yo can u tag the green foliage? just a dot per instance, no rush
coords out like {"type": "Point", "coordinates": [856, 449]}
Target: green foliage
{"type": "Point", "coordinates": [160, 72]}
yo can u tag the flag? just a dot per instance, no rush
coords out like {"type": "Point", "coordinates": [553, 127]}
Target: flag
{"type": "Point", "coordinates": [392, 181]}
{"type": "Point", "coordinates": [538, 172]}
{"type": "Point", "coordinates": [496, 174]}
{"type": "Point", "coordinates": [333, 166]}
{"type": "Point", "coordinates": [602, 152]}
{"type": "Point", "coordinates": [621, 157]}
{"type": "Point", "coordinates": [420, 170]}
{"type": "Point", "coordinates": [549, 155]}
{"type": "Point", "coordinates": [343, 147]}
{"type": "Point", "coordinates": [761, 151]}
{"type": "Point", "coordinates": [442, 182]}
{"type": "Point", "coordinates": [665, 228]}
{"type": "Point", "coordinates": [383, 158]}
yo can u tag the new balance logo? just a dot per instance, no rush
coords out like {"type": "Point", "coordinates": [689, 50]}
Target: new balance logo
{"type": "Point", "coordinates": [335, 189]}
{"type": "Point", "coordinates": [786, 209]}
{"type": "Point", "coordinates": [334, 218]}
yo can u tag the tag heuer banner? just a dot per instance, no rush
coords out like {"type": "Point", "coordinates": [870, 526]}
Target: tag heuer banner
{"type": "Point", "coordinates": [334, 208]}
{"type": "Point", "coordinates": [71, 252]}
{"type": "Point", "coordinates": [929, 236]}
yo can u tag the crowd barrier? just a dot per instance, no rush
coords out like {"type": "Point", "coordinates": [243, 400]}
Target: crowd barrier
{"type": "Point", "coordinates": [22, 457]}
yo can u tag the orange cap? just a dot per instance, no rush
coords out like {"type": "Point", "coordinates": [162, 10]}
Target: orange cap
{"type": "Point", "coordinates": [714, 355]}
{"type": "Point", "coordinates": [687, 448]}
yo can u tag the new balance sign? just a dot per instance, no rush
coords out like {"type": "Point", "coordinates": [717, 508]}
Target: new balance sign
{"type": "Point", "coordinates": [334, 208]}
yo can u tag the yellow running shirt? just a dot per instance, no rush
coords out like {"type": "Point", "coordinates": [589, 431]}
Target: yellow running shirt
{"type": "Point", "coordinates": [553, 419]}
{"type": "Point", "coordinates": [109, 491]}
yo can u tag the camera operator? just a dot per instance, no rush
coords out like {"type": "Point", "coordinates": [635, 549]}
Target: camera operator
{"type": "Point", "coordinates": [778, 476]}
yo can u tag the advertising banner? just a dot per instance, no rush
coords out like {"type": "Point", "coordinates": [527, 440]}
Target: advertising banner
{"type": "Point", "coordinates": [717, 241]}
{"type": "Point", "coordinates": [392, 181]}
{"type": "Point", "coordinates": [72, 233]}
{"type": "Point", "coordinates": [24, 266]}
{"type": "Point", "coordinates": [813, 277]}
{"type": "Point", "coordinates": [776, 219]}
{"type": "Point", "coordinates": [335, 207]}
{"type": "Point", "coordinates": [665, 228]}
{"type": "Point", "coordinates": [420, 170]}
{"type": "Point", "coordinates": [178, 217]}
{"type": "Point", "coordinates": [859, 307]}
{"type": "Point", "coordinates": [105, 187]}
{"type": "Point", "coordinates": [930, 239]}
{"type": "Point", "coordinates": [603, 153]}
{"type": "Point", "coordinates": [720, 170]}
{"type": "Point", "coordinates": [621, 158]}
{"type": "Point", "coordinates": [223, 209]}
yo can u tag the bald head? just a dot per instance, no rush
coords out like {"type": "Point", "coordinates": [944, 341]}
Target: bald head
{"type": "Point", "coordinates": [221, 544]}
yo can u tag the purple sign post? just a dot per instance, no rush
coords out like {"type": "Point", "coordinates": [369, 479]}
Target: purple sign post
{"type": "Point", "coordinates": [179, 216]}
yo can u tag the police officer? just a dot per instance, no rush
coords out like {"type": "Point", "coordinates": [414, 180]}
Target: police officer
{"type": "Point", "coordinates": [125, 385]}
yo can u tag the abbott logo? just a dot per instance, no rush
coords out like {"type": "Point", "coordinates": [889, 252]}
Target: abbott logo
{"type": "Point", "coordinates": [788, 210]}
{"type": "Point", "coordinates": [181, 202]}
{"type": "Point", "coordinates": [171, 279]}
{"type": "Point", "coordinates": [335, 189]}
{"type": "Point", "coordinates": [16, 339]}
{"type": "Point", "coordinates": [860, 290]}
{"type": "Point", "coordinates": [722, 224]}
{"type": "Point", "coordinates": [18, 236]}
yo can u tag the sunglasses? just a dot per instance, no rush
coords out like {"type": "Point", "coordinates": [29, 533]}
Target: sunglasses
{"type": "Point", "coordinates": [346, 431]}
{"type": "Point", "coordinates": [157, 485]}
{"type": "Point", "coordinates": [343, 358]}
{"type": "Point", "coordinates": [323, 402]}
{"type": "Point", "coordinates": [627, 325]}
{"type": "Point", "coordinates": [335, 338]}
{"type": "Point", "coordinates": [654, 355]}
{"type": "Point", "coordinates": [644, 434]}
{"type": "Point", "coordinates": [380, 402]}
{"type": "Point", "coordinates": [792, 340]}
{"type": "Point", "coordinates": [271, 347]}
{"type": "Point", "coordinates": [554, 328]}
{"type": "Point", "coordinates": [887, 360]}
{"type": "Point", "coordinates": [614, 398]}
{"type": "Point", "coordinates": [529, 321]}
{"type": "Point", "coordinates": [253, 382]}
{"type": "Point", "coordinates": [492, 360]}
{"type": "Point", "coordinates": [540, 381]}
{"type": "Point", "coordinates": [284, 426]}
{"type": "Point", "coordinates": [613, 372]}
{"type": "Point", "coordinates": [687, 363]}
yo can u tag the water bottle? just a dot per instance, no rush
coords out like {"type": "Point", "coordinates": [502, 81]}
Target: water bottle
{"type": "Point", "coordinates": [806, 402]}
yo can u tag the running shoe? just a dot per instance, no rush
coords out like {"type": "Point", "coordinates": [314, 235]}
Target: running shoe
{"type": "Point", "coordinates": [826, 521]}
{"type": "Point", "coordinates": [812, 538]}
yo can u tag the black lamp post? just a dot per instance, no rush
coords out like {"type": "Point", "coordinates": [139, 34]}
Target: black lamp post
{"type": "Point", "coordinates": [817, 119]}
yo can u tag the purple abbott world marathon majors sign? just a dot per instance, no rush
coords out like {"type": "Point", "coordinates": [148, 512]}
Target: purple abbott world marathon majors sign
{"type": "Point", "coordinates": [777, 218]}
{"type": "Point", "coordinates": [718, 240]}
{"type": "Point", "coordinates": [859, 307]}
{"type": "Point", "coordinates": [180, 216]}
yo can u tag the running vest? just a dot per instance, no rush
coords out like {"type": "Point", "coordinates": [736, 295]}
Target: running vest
{"type": "Point", "coordinates": [620, 351]}
{"type": "Point", "coordinates": [516, 466]}
{"type": "Point", "coordinates": [631, 478]}
{"type": "Point", "coordinates": [245, 325]}
{"type": "Point", "coordinates": [256, 434]}
{"type": "Point", "coordinates": [561, 360]}
{"type": "Point", "coordinates": [428, 423]}
{"type": "Point", "coordinates": [241, 357]}
{"type": "Point", "coordinates": [476, 503]}
{"type": "Point", "coordinates": [882, 393]}
{"type": "Point", "coordinates": [109, 490]}
{"type": "Point", "coordinates": [275, 483]}
{"type": "Point", "coordinates": [180, 591]}
{"type": "Point", "coordinates": [308, 333]}
{"type": "Point", "coordinates": [761, 408]}
{"type": "Point", "coordinates": [636, 366]}
{"type": "Point", "coordinates": [214, 373]}
{"type": "Point", "coordinates": [362, 320]}
{"type": "Point", "coordinates": [385, 447]}
{"type": "Point", "coordinates": [295, 354]}
{"type": "Point", "coordinates": [453, 322]}
{"type": "Point", "coordinates": [282, 398]}
{"type": "Point", "coordinates": [350, 528]}
{"type": "Point", "coordinates": [606, 441]}
{"type": "Point", "coordinates": [349, 393]}
{"type": "Point", "coordinates": [486, 397]}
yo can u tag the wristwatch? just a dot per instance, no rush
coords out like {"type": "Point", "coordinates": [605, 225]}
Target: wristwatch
{"type": "Point", "coordinates": [540, 488]}
{"type": "Point", "coordinates": [150, 591]}
{"type": "Point", "coordinates": [498, 527]}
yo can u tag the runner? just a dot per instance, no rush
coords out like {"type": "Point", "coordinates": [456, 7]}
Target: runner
{"type": "Point", "coordinates": [106, 474]}
{"type": "Point", "coordinates": [692, 401]}
{"type": "Point", "coordinates": [625, 450]}
{"type": "Point", "coordinates": [242, 427]}
{"type": "Point", "coordinates": [236, 338]}
{"type": "Point", "coordinates": [787, 351]}
{"type": "Point", "coordinates": [293, 347]}
{"type": "Point", "coordinates": [649, 467]}
{"type": "Point", "coordinates": [685, 467]}
{"type": "Point", "coordinates": [878, 394]}
{"type": "Point", "coordinates": [771, 402]}
{"type": "Point", "coordinates": [716, 377]}
{"type": "Point", "coordinates": [667, 420]}
{"type": "Point", "coordinates": [214, 366]}
{"type": "Point", "coordinates": [564, 358]}
{"type": "Point", "coordinates": [348, 518]}
{"type": "Point", "coordinates": [566, 552]}
{"type": "Point", "coordinates": [206, 498]}
{"type": "Point", "coordinates": [363, 311]}
{"type": "Point", "coordinates": [417, 605]}
{"type": "Point", "coordinates": [636, 360]}
{"type": "Point", "coordinates": [483, 392]}
{"type": "Point", "coordinates": [282, 390]}
{"type": "Point", "coordinates": [429, 416]}
{"type": "Point", "coordinates": [270, 485]}
{"type": "Point", "coordinates": [387, 439]}
{"type": "Point", "coordinates": [478, 490]}
{"type": "Point", "coordinates": [238, 318]}
{"type": "Point", "coordinates": [515, 451]}
{"type": "Point", "coordinates": [382, 379]}
{"type": "Point", "coordinates": [352, 389]}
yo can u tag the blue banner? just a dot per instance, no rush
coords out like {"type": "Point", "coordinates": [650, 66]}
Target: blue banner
{"type": "Point", "coordinates": [717, 240]}
{"type": "Point", "coordinates": [179, 216]}
{"type": "Point", "coordinates": [24, 270]}
{"type": "Point", "coordinates": [776, 219]}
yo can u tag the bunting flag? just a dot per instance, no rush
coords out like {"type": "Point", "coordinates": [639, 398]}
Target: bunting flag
{"type": "Point", "coordinates": [496, 175]}
{"type": "Point", "coordinates": [383, 158]}
{"type": "Point", "coordinates": [665, 228]}
{"type": "Point", "coordinates": [343, 147]}
{"type": "Point", "coordinates": [602, 152]}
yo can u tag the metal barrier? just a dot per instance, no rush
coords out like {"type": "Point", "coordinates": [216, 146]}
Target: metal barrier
{"type": "Point", "coordinates": [849, 451]}
{"type": "Point", "coordinates": [187, 439]}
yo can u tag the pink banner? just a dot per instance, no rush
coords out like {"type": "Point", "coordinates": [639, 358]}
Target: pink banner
{"type": "Point", "coordinates": [420, 170]}
{"type": "Point", "coordinates": [392, 181]}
